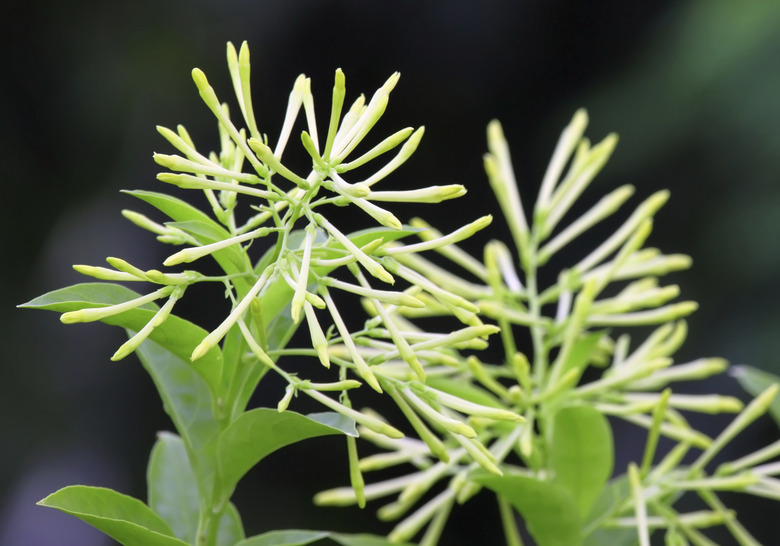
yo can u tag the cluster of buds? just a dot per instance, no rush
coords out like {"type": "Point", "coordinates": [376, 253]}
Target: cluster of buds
{"type": "Point", "coordinates": [295, 279]}
{"type": "Point", "coordinates": [573, 325]}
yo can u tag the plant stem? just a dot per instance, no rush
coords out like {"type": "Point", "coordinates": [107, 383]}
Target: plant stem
{"type": "Point", "coordinates": [508, 522]}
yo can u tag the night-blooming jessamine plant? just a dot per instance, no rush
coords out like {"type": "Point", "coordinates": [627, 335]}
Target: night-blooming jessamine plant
{"type": "Point", "coordinates": [206, 379]}
{"type": "Point", "coordinates": [532, 427]}
{"type": "Point", "coordinates": [556, 468]}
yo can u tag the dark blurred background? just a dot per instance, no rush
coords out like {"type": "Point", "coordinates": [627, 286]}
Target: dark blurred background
{"type": "Point", "coordinates": [691, 86]}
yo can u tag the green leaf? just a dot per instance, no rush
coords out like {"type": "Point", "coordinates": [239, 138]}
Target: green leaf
{"type": "Point", "coordinates": [581, 453]}
{"type": "Point", "coordinates": [187, 401]}
{"type": "Point", "coordinates": [581, 352]}
{"type": "Point", "coordinates": [755, 382]}
{"type": "Point", "coordinates": [364, 540]}
{"type": "Point", "coordinates": [300, 538]}
{"type": "Point", "coordinates": [285, 538]}
{"type": "Point", "coordinates": [608, 503]}
{"type": "Point", "coordinates": [549, 509]}
{"type": "Point", "coordinates": [259, 432]}
{"type": "Point", "coordinates": [177, 335]}
{"type": "Point", "coordinates": [173, 493]}
{"type": "Point", "coordinates": [127, 520]}
{"type": "Point", "coordinates": [181, 211]}
{"type": "Point", "coordinates": [173, 487]}
{"type": "Point", "coordinates": [231, 530]}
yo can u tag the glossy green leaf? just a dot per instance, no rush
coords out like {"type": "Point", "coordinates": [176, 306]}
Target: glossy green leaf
{"type": "Point", "coordinates": [241, 375]}
{"type": "Point", "coordinates": [608, 503]}
{"type": "Point", "coordinates": [755, 382]}
{"type": "Point", "coordinates": [363, 540]}
{"type": "Point", "coordinates": [285, 538]}
{"type": "Point", "coordinates": [581, 453]}
{"type": "Point", "coordinates": [301, 538]}
{"type": "Point", "coordinates": [549, 509]}
{"type": "Point", "coordinates": [174, 495]}
{"type": "Point", "coordinates": [172, 486]}
{"type": "Point", "coordinates": [259, 432]}
{"type": "Point", "coordinates": [581, 353]}
{"type": "Point", "coordinates": [187, 401]}
{"type": "Point", "coordinates": [127, 520]}
{"type": "Point", "coordinates": [177, 335]}
{"type": "Point", "coordinates": [181, 211]}
{"type": "Point", "coordinates": [231, 530]}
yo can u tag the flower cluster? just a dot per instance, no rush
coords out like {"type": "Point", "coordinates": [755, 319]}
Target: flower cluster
{"type": "Point", "coordinates": [294, 280]}
{"type": "Point", "coordinates": [574, 324]}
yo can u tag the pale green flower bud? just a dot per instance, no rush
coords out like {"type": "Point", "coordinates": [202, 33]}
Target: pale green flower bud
{"type": "Point", "coordinates": [701, 403]}
{"type": "Point", "coordinates": [690, 371]}
{"type": "Point", "coordinates": [566, 145]}
{"type": "Point", "coordinates": [404, 153]}
{"type": "Point", "coordinates": [764, 454]}
{"type": "Point", "coordinates": [345, 496]}
{"type": "Point", "coordinates": [339, 91]}
{"type": "Point", "coordinates": [373, 111]}
{"type": "Point", "coordinates": [372, 423]}
{"type": "Point", "coordinates": [730, 483]}
{"type": "Point", "coordinates": [289, 391]}
{"type": "Point", "coordinates": [660, 315]}
{"type": "Point", "coordinates": [303, 276]}
{"type": "Point", "coordinates": [755, 409]}
{"type": "Point", "coordinates": [431, 440]}
{"type": "Point", "coordinates": [311, 148]}
{"type": "Point", "coordinates": [293, 107]}
{"type": "Point", "coordinates": [411, 525]}
{"type": "Point", "coordinates": [643, 212]}
{"type": "Point", "coordinates": [318, 340]}
{"type": "Point", "coordinates": [361, 366]}
{"type": "Point", "coordinates": [105, 274]}
{"type": "Point", "coordinates": [472, 408]}
{"type": "Point", "coordinates": [586, 165]}
{"type": "Point", "coordinates": [371, 265]}
{"type": "Point", "coordinates": [355, 475]}
{"type": "Point", "coordinates": [267, 156]}
{"type": "Point", "coordinates": [606, 207]}
{"type": "Point", "coordinates": [458, 235]}
{"type": "Point", "coordinates": [431, 194]}
{"type": "Point", "coordinates": [453, 425]}
{"type": "Point", "coordinates": [211, 340]}
{"type": "Point", "coordinates": [344, 385]}
{"type": "Point", "coordinates": [191, 254]}
{"type": "Point", "coordinates": [350, 118]}
{"type": "Point", "coordinates": [385, 146]}
{"type": "Point", "coordinates": [480, 454]}
{"type": "Point", "coordinates": [99, 313]}
{"type": "Point", "coordinates": [498, 166]}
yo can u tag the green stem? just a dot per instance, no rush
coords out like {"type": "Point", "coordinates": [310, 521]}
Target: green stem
{"type": "Point", "coordinates": [508, 522]}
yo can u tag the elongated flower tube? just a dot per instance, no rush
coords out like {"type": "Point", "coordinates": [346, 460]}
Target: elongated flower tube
{"type": "Point", "coordinates": [99, 313]}
{"type": "Point", "coordinates": [217, 334]}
